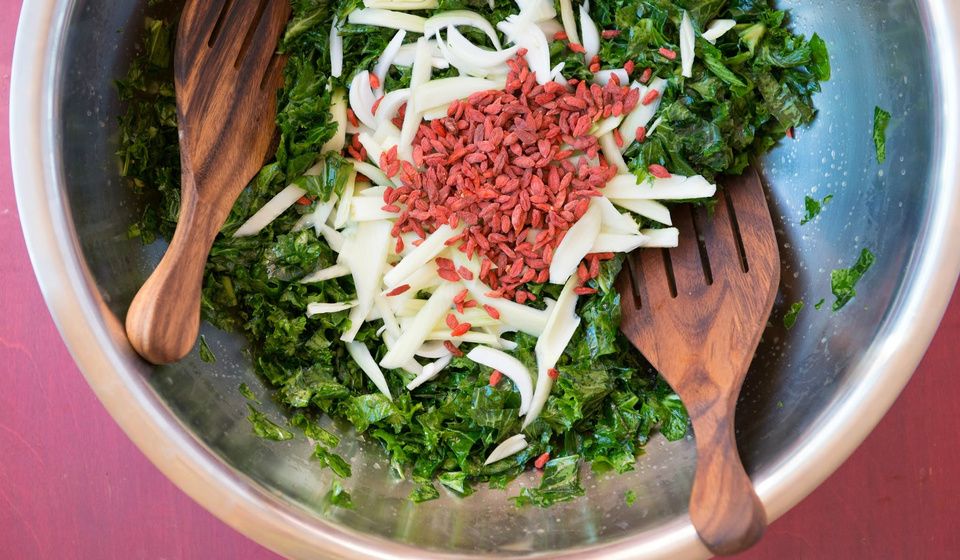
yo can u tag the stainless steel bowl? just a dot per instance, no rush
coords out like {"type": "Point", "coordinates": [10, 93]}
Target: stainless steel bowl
{"type": "Point", "coordinates": [813, 395]}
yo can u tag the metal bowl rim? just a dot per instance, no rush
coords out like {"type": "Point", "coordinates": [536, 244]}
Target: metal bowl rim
{"type": "Point", "coordinates": [77, 309]}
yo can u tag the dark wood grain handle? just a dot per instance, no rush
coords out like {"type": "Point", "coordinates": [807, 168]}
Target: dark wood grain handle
{"type": "Point", "coordinates": [724, 507]}
{"type": "Point", "coordinates": [164, 318]}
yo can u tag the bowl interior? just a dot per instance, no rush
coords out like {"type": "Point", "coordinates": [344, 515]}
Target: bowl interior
{"type": "Point", "coordinates": [880, 57]}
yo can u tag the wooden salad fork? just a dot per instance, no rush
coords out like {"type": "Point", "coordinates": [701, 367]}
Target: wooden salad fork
{"type": "Point", "coordinates": [227, 74]}
{"type": "Point", "coordinates": [696, 313]}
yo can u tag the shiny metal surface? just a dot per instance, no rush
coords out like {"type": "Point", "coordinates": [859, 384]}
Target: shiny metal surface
{"type": "Point", "coordinates": [813, 394]}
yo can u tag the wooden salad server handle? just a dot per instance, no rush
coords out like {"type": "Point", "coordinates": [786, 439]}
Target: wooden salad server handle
{"type": "Point", "coordinates": [227, 74]}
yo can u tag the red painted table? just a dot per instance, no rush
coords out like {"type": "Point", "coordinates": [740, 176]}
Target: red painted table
{"type": "Point", "coordinates": [73, 486]}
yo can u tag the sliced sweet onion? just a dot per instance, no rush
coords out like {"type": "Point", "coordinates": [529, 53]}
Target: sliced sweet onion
{"type": "Point", "coordinates": [509, 366]}
{"type": "Point", "coordinates": [666, 237]}
{"type": "Point", "coordinates": [376, 176]}
{"type": "Point", "coordinates": [270, 211]}
{"type": "Point", "coordinates": [390, 103]}
{"type": "Point", "coordinates": [510, 446]}
{"type": "Point", "coordinates": [433, 349]}
{"type": "Point", "coordinates": [612, 220]}
{"type": "Point", "coordinates": [480, 56]}
{"type": "Point", "coordinates": [653, 127]}
{"type": "Point", "coordinates": [365, 254]}
{"type": "Point", "coordinates": [338, 111]}
{"type": "Point", "coordinates": [647, 208]}
{"type": "Point", "coordinates": [318, 216]}
{"type": "Point", "coordinates": [557, 74]}
{"type": "Point", "coordinates": [432, 246]}
{"type": "Point", "coordinates": [456, 18]}
{"type": "Point", "coordinates": [328, 273]}
{"type": "Point", "coordinates": [361, 354]}
{"type": "Point", "coordinates": [526, 35]}
{"type": "Point", "coordinates": [608, 124]}
{"type": "Point", "coordinates": [336, 49]}
{"type": "Point", "coordinates": [430, 371]}
{"type": "Point", "coordinates": [677, 187]}
{"type": "Point", "coordinates": [611, 152]}
{"type": "Point", "coordinates": [642, 114]}
{"type": "Point", "coordinates": [537, 11]}
{"type": "Point", "coordinates": [415, 334]}
{"type": "Point", "coordinates": [717, 29]}
{"type": "Point", "coordinates": [603, 76]}
{"type": "Point", "coordinates": [469, 336]}
{"type": "Point", "coordinates": [401, 5]}
{"type": "Point", "coordinates": [561, 325]}
{"type": "Point", "coordinates": [343, 209]}
{"type": "Point", "coordinates": [445, 90]}
{"type": "Point", "coordinates": [575, 245]}
{"type": "Point", "coordinates": [386, 60]}
{"type": "Point", "coordinates": [390, 323]}
{"type": "Point", "coordinates": [369, 209]}
{"type": "Point", "coordinates": [407, 52]}
{"type": "Point", "coordinates": [569, 24]}
{"type": "Point", "coordinates": [420, 75]}
{"type": "Point", "coordinates": [387, 18]}
{"type": "Point", "coordinates": [688, 39]}
{"type": "Point", "coordinates": [374, 149]}
{"type": "Point", "coordinates": [362, 99]}
{"type": "Point", "coordinates": [617, 243]}
{"type": "Point", "coordinates": [333, 237]}
{"type": "Point", "coordinates": [319, 308]}
{"type": "Point", "coordinates": [514, 315]}
{"type": "Point", "coordinates": [590, 33]}
{"type": "Point", "coordinates": [550, 27]}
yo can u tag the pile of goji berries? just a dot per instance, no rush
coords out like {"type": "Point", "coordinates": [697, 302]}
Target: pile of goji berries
{"type": "Point", "coordinates": [502, 164]}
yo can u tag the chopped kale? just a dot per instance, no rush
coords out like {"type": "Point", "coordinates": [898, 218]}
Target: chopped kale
{"type": "Point", "coordinates": [337, 496]}
{"type": "Point", "coordinates": [333, 461]}
{"type": "Point", "coordinates": [247, 393]}
{"type": "Point", "coordinates": [206, 354]}
{"type": "Point", "coordinates": [881, 119]}
{"type": "Point", "coordinates": [560, 483]}
{"type": "Point", "coordinates": [424, 493]}
{"type": "Point", "coordinates": [630, 497]}
{"type": "Point", "coordinates": [790, 319]}
{"type": "Point", "coordinates": [264, 428]}
{"type": "Point", "coordinates": [843, 282]}
{"type": "Point", "coordinates": [813, 207]}
{"type": "Point", "coordinates": [819, 304]}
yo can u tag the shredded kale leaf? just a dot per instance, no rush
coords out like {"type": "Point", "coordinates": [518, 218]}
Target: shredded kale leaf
{"type": "Point", "coordinates": [338, 497]}
{"type": "Point", "coordinates": [881, 119]}
{"type": "Point", "coordinates": [813, 207]}
{"type": "Point", "coordinates": [247, 393]}
{"type": "Point", "coordinates": [630, 497]}
{"type": "Point", "coordinates": [819, 304]}
{"type": "Point", "coordinates": [560, 483]}
{"type": "Point", "coordinates": [206, 354]}
{"type": "Point", "coordinates": [265, 428]}
{"type": "Point", "coordinates": [332, 461]}
{"type": "Point", "coordinates": [843, 282]}
{"type": "Point", "coordinates": [790, 319]}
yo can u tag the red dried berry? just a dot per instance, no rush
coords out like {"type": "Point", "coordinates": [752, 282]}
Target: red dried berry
{"type": "Point", "coordinates": [461, 329]}
{"type": "Point", "coordinates": [658, 171]}
{"type": "Point", "coordinates": [452, 349]}
{"type": "Point", "coordinates": [495, 377]}
{"type": "Point", "coordinates": [491, 311]}
{"type": "Point", "coordinates": [667, 53]}
{"type": "Point", "coordinates": [542, 461]}
{"type": "Point", "coordinates": [552, 373]}
{"type": "Point", "coordinates": [398, 290]}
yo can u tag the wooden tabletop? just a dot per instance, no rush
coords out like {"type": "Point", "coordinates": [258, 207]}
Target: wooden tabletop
{"type": "Point", "coordinates": [73, 486]}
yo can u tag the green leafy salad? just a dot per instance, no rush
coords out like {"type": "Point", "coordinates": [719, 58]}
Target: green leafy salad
{"type": "Point", "coordinates": [431, 254]}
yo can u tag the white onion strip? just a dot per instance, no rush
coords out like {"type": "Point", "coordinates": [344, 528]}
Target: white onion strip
{"type": "Point", "coordinates": [666, 237]}
{"type": "Point", "coordinates": [270, 211]}
{"type": "Point", "coordinates": [642, 114]}
{"type": "Point", "coordinates": [590, 33]}
{"type": "Point", "coordinates": [362, 99]}
{"type": "Point", "coordinates": [387, 18]}
{"type": "Point", "coordinates": [562, 324]}
{"type": "Point", "coordinates": [386, 60]}
{"type": "Point", "coordinates": [575, 245]}
{"type": "Point", "coordinates": [718, 28]}
{"type": "Point", "coordinates": [361, 354]}
{"type": "Point", "coordinates": [508, 366]}
{"type": "Point", "coordinates": [646, 208]}
{"type": "Point", "coordinates": [336, 49]}
{"type": "Point", "coordinates": [688, 40]}
{"type": "Point", "coordinates": [608, 144]}
{"type": "Point", "coordinates": [510, 446]}
{"type": "Point", "coordinates": [329, 273]}
{"type": "Point", "coordinates": [617, 243]}
{"type": "Point", "coordinates": [569, 24]}
{"type": "Point", "coordinates": [401, 5]}
{"type": "Point", "coordinates": [414, 335]}
{"type": "Point", "coordinates": [677, 187]}
{"type": "Point", "coordinates": [456, 18]}
{"type": "Point", "coordinates": [319, 308]}
{"type": "Point", "coordinates": [432, 246]}
{"type": "Point", "coordinates": [430, 371]}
